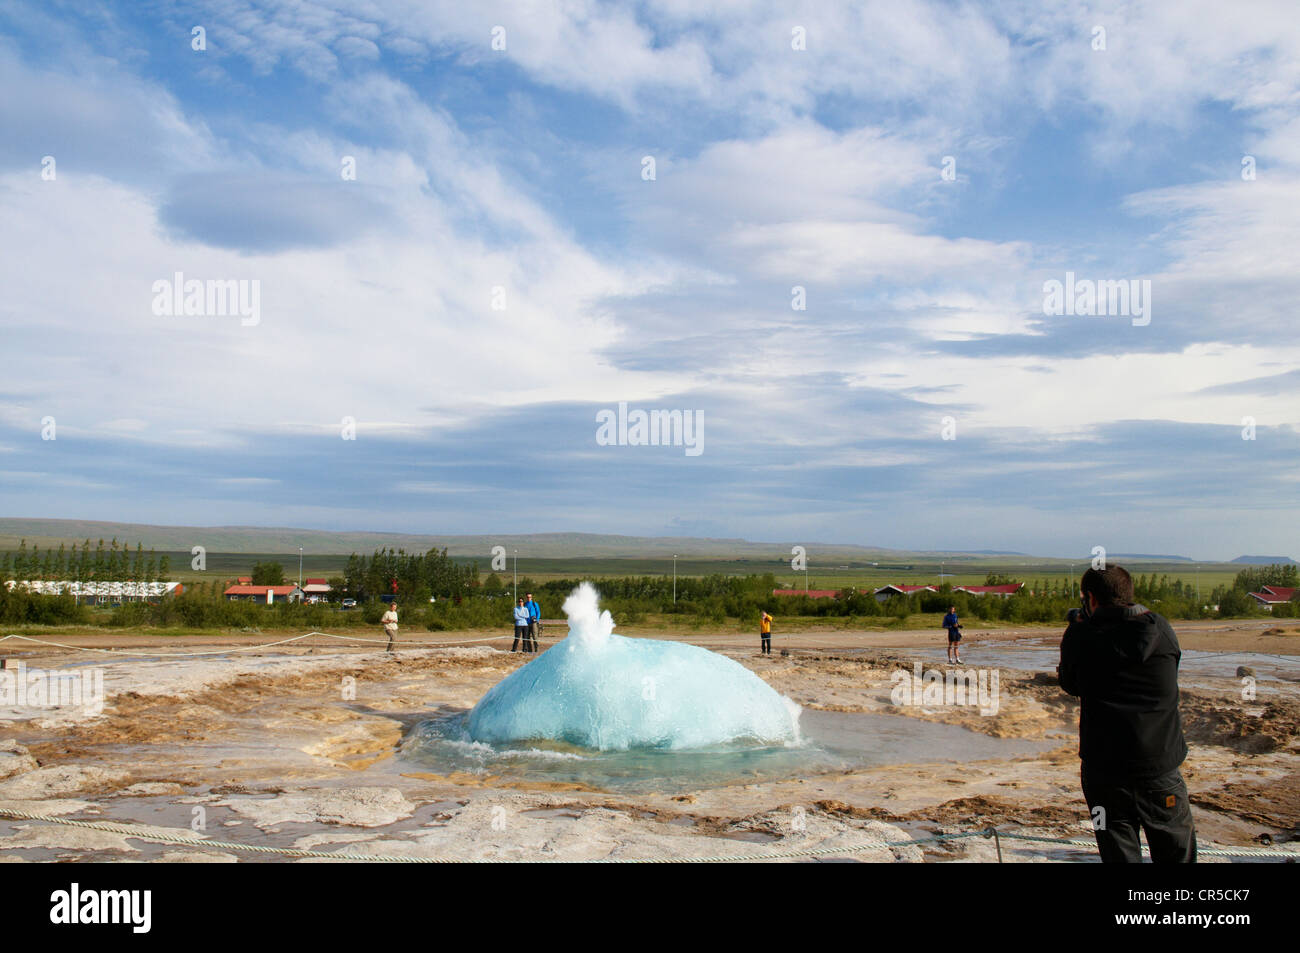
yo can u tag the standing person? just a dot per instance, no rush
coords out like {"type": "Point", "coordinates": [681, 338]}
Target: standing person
{"type": "Point", "coordinates": [954, 635]}
{"type": "Point", "coordinates": [765, 631]}
{"type": "Point", "coordinates": [521, 627]}
{"type": "Point", "coordinates": [534, 622]}
{"type": "Point", "coordinates": [390, 624]}
{"type": "Point", "coordinates": [1121, 660]}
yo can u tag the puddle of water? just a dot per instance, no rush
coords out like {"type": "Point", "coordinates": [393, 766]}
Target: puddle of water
{"type": "Point", "coordinates": [833, 742]}
{"type": "Point", "coordinates": [1045, 659]}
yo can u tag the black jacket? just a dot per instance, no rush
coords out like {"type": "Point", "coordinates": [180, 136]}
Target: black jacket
{"type": "Point", "coordinates": [1123, 664]}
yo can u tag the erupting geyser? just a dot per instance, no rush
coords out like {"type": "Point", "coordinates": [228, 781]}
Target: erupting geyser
{"type": "Point", "coordinates": [601, 690]}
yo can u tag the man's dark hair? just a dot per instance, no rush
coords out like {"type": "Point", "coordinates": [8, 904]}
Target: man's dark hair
{"type": "Point", "coordinates": [1112, 586]}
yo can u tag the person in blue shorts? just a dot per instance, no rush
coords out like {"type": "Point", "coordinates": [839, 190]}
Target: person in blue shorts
{"type": "Point", "coordinates": [954, 635]}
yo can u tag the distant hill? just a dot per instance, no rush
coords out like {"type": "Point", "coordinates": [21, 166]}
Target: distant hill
{"type": "Point", "coordinates": [1160, 558]}
{"type": "Point", "coordinates": [262, 541]}
{"type": "Point", "coordinates": [1264, 560]}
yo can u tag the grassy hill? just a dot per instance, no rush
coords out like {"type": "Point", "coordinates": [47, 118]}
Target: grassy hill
{"type": "Point", "coordinates": [255, 539]}
{"type": "Point", "coordinates": [232, 551]}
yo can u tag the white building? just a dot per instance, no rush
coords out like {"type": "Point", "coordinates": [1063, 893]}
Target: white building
{"type": "Point", "coordinates": [95, 593]}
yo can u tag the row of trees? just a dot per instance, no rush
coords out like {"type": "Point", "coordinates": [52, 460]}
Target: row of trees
{"type": "Point", "coordinates": [112, 563]}
{"type": "Point", "coordinates": [463, 603]}
{"type": "Point", "coordinates": [1276, 574]}
{"type": "Point", "coordinates": [411, 577]}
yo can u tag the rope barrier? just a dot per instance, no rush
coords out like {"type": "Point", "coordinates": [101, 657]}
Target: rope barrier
{"type": "Point", "coordinates": [450, 642]}
{"type": "Point", "coordinates": [131, 830]}
{"type": "Point", "coordinates": [249, 648]}
{"type": "Point", "coordinates": [1209, 655]}
{"type": "Point", "coordinates": [1206, 851]}
{"type": "Point", "coordinates": [91, 648]}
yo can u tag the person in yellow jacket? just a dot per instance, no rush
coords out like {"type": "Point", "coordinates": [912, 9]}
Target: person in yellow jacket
{"type": "Point", "coordinates": [765, 632]}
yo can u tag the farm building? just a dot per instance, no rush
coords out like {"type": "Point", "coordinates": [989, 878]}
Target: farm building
{"type": "Point", "coordinates": [1269, 596]}
{"type": "Point", "coordinates": [103, 593]}
{"type": "Point", "coordinates": [317, 590]}
{"type": "Point", "coordinates": [884, 592]}
{"type": "Point", "coordinates": [810, 593]}
{"type": "Point", "coordinates": [267, 594]}
{"type": "Point", "coordinates": [1009, 589]}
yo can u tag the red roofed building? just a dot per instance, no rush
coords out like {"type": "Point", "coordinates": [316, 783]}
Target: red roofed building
{"type": "Point", "coordinates": [1269, 596]}
{"type": "Point", "coordinates": [1009, 589]}
{"type": "Point", "coordinates": [810, 593]}
{"type": "Point", "coordinates": [884, 592]}
{"type": "Point", "coordinates": [317, 589]}
{"type": "Point", "coordinates": [267, 594]}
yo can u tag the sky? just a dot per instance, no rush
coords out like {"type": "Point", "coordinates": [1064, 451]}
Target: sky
{"type": "Point", "coordinates": [826, 231]}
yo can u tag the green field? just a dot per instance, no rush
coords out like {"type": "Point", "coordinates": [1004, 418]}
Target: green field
{"type": "Point", "coordinates": [223, 566]}
{"type": "Point", "coordinates": [560, 557]}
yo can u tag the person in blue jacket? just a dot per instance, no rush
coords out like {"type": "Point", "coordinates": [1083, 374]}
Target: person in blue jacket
{"type": "Point", "coordinates": [534, 623]}
{"type": "Point", "coordinates": [954, 635]}
{"type": "Point", "coordinates": [521, 627]}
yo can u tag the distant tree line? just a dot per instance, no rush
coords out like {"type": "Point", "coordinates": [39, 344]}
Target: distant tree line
{"type": "Point", "coordinates": [105, 563]}
{"type": "Point", "coordinates": [1277, 574]}
{"type": "Point", "coordinates": [462, 603]}
{"type": "Point", "coordinates": [411, 577]}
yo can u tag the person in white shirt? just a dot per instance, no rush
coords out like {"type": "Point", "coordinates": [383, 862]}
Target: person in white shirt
{"type": "Point", "coordinates": [390, 624]}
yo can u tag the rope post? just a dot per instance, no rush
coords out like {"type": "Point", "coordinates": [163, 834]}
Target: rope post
{"type": "Point", "coordinates": [993, 832]}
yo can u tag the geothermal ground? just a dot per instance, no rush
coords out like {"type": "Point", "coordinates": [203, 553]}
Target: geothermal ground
{"type": "Point", "coordinates": [268, 748]}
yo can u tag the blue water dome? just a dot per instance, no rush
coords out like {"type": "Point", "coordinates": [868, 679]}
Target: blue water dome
{"type": "Point", "coordinates": [598, 690]}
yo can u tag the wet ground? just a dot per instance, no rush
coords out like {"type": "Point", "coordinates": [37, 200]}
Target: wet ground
{"type": "Point", "coordinates": [832, 742]}
{"type": "Point", "coordinates": [335, 751]}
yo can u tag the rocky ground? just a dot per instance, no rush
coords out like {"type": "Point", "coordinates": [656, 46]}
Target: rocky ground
{"type": "Point", "coordinates": [297, 749]}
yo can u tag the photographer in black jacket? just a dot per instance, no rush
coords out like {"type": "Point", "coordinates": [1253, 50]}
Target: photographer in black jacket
{"type": "Point", "coordinates": [1121, 660]}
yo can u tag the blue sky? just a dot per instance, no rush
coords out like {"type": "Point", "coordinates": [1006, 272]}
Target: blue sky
{"type": "Point", "coordinates": [522, 170]}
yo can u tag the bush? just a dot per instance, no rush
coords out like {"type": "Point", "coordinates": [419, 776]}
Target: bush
{"type": "Point", "coordinates": [18, 606]}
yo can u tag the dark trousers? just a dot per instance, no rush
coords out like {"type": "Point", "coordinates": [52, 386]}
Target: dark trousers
{"type": "Point", "coordinates": [521, 632]}
{"type": "Point", "coordinates": [1158, 807]}
{"type": "Point", "coordinates": [767, 642]}
{"type": "Point", "coordinates": [530, 637]}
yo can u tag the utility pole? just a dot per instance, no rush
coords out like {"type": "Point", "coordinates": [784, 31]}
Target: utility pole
{"type": "Point", "coordinates": [674, 579]}
{"type": "Point", "coordinates": [515, 590]}
{"type": "Point", "coordinates": [299, 567]}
